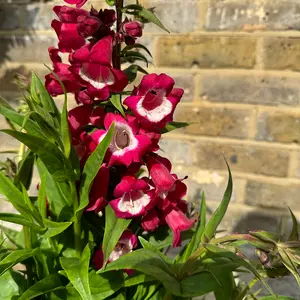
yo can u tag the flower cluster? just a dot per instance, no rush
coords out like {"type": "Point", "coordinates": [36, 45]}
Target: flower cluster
{"type": "Point", "coordinates": [93, 77]}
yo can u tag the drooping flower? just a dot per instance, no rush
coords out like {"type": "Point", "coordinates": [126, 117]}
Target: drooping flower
{"type": "Point", "coordinates": [127, 242]}
{"type": "Point", "coordinates": [127, 145]}
{"type": "Point", "coordinates": [93, 64]}
{"type": "Point", "coordinates": [155, 100]}
{"type": "Point", "coordinates": [78, 3]}
{"type": "Point", "coordinates": [98, 193]}
{"type": "Point", "coordinates": [133, 197]}
{"type": "Point", "coordinates": [151, 220]}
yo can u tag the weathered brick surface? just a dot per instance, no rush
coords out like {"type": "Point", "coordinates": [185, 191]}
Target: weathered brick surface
{"type": "Point", "coordinates": [250, 15]}
{"type": "Point", "coordinates": [28, 48]}
{"type": "Point", "coordinates": [282, 53]}
{"type": "Point", "coordinates": [9, 17]}
{"type": "Point", "coordinates": [177, 151]}
{"type": "Point", "coordinates": [250, 88]}
{"type": "Point", "coordinates": [214, 121]}
{"type": "Point", "coordinates": [37, 16]}
{"type": "Point", "coordinates": [177, 16]}
{"type": "Point", "coordinates": [206, 52]}
{"type": "Point", "coordinates": [273, 195]}
{"type": "Point", "coordinates": [184, 81]}
{"type": "Point", "coordinates": [279, 126]}
{"type": "Point", "coordinates": [242, 158]}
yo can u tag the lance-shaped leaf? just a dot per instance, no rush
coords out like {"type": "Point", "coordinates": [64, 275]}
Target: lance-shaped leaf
{"type": "Point", "coordinates": [47, 285]}
{"type": "Point", "coordinates": [131, 72]}
{"type": "Point", "coordinates": [52, 158]}
{"type": "Point", "coordinates": [116, 102]}
{"type": "Point", "coordinates": [149, 16]}
{"type": "Point", "coordinates": [278, 297]}
{"type": "Point", "coordinates": [77, 271]}
{"type": "Point", "coordinates": [138, 278]}
{"type": "Point", "coordinates": [21, 220]}
{"type": "Point", "coordinates": [42, 207]}
{"type": "Point", "coordinates": [13, 195]}
{"type": "Point", "coordinates": [196, 239]}
{"type": "Point", "coordinates": [137, 46]}
{"type": "Point", "coordinates": [25, 170]}
{"type": "Point", "coordinates": [114, 227]}
{"type": "Point", "coordinates": [219, 214]}
{"type": "Point", "coordinates": [14, 258]}
{"type": "Point", "coordinates": [174, 125]}
{"type": "Point", "coordinates": [91, 168]}
{"type": "Point", "coordinates": [294, 236]}
{"type": "Point", "coordinates": [14, 236]}
{"type": "Point", "coordinates": [55, 228]}
{"type": "Point", "coordinates": [149, 263]}
{"type": "Point", "coordinates": [65, 132]}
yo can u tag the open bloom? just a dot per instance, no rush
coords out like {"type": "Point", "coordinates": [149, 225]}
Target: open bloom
{"type": "Point", "coordinates": [127, 242]}
{"type": "Point", "coordinates": [155, 100]}
{"type": "Point", "coordinates": [134, 197]}
{"type": "Point", "coordinates": [126, 146]}
{"type": "Point", "coordinates": [93, 64]}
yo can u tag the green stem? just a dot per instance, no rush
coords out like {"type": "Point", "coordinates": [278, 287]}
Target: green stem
{"type": "Point", "coordinates": [28, 245]}
{"type": "Point", "coordinates": [247, 288]}
{"type": "Point", "coordinates": [117, 49]}
{"type": "Point", "coordinates": [77, 221]}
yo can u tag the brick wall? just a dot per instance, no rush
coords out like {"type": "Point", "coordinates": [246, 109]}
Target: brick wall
{"type": "Point", "coordinates": [239, 62]}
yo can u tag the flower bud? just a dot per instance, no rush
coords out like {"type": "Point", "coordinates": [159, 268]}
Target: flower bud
{"type": "Point", "coordinates": [133, 29]}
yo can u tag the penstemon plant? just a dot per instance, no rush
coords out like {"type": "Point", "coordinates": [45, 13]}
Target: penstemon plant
{"type": "Point", "coordinates": [109, 207]}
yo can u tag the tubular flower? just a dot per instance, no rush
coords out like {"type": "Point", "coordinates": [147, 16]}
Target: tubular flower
{"type": "Point", "coordinates": [127, 242]}
{"type": "Point", "coordinates": [155, 100]}
{"type": "Point", "coordinates": [78, 3]}
{"type": "Point", "coordinates": [93, 64]}
{"type": "Point", "coordinates": [134, 197]}
{"type": "Point", "coordinates": [126, 146]}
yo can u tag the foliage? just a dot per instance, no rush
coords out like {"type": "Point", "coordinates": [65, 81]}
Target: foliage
{"type": "Point", "coordinates": [97, 229]}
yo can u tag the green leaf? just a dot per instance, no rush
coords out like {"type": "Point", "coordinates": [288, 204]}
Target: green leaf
{"type": "Point", "coordinates": [14, 258]}
{"type": "Point", "coordinates": [196, 239]}
{"type": "Point", "coordinates": [52, 158]}
{"type": "Point", "coordinates": [277, 298]}
{"type": "Point", "coordinates": [294, 236]}
{"type": "Point", "coordinates": [104, 285]}
{"type": "Point", "coordinates": [131, 72]}
{"type": "Point", "coordinates": [91, 168]}
{"type": "Point", "coordinates": [149, 16]}
{"type": "Point", "coordinates": [46, 100]}
{"type": "Point", "coordinates": [58, 194]}
{"type": "Point", "coordinates": [78, 272]}
{"type": "Point", "coordinates": [30, 126]}
{"type": "Point", "coordinates": [132, 56]}
{"type": "Point", "coordinates": [11, 285]}
{"type": "Point", "coordinates": [19, 219]}
{"type": "Point", "coordinates": [138, 279]}
{"type": "Point", "coordinates": [174, 125]}
{"type": "Point", "coordinates": [14, 236]}
{"type": "Point", "coordinates": [198, 285]}
{"type": "Point", "coordinates": [42, 197]}
{"type": "Point", "coordinates": [13, 195]}
{"type": "Point", "coordinates": [5, 104]}
{"type": "Point", "coordinates": [116, 102]}
{"type": "Point", "coordinates": [65, 132]}
{"type": "Point", "coordinates": [55, 228]}
{"type": "Point", "coordinates": [219, 214]}
{"type": "Point", "coordinates": [110, 2]}
{"type": "Point", "coordinates": [33, 92]}
{"type": "Point", "coordinates": [137, 46]}
{"type": "Point", "coordinates": [149, 263]}
{"type": "Point", "coordinates": [25, 170]}
{"type": "Point", "coordinates": [114, 227]}
{"type": "Point", "coordinates": [48, 284]}
{"type": "Point", "coordinates": [149, 246]}
{"type": "Point", "coordinates": [289, 264]}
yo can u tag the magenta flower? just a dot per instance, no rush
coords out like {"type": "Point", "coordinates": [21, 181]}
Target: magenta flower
{"type": "Point", "coordinates": [78, 3]}
{"type": "Point", "coordinates": [127, 242]}
{"type": "Point", "coordinates": [127, 145]}
{"type": "Point", "coordinates": [155, 100]}
{"type": "Point", "coordinates": [93, 64]}
{"type": "Point", "coordinates": [133, 29]}
{"type": "Point", "coordinates": [99, 190]}
{"type": "Point", "coordinates": [151, 220]}
{"type": "Point", "coordinates": [134, 197]}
